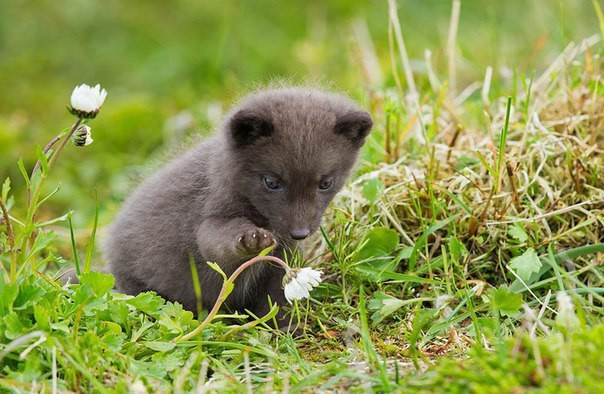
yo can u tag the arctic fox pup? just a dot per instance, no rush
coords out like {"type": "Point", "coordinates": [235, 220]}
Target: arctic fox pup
{"type": "Point", "coordinates": [265, 179]}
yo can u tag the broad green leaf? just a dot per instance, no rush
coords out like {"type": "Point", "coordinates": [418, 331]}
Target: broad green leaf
{"type": "Point", "coordinates": [168, 361]}
{"type": "Point", "coordinates": [381, 275]}
{"type": "Point", "coordinates": [100, 282]}
{"type": "Point", "coordinates": [160, 346]}
{"type": "Point", "coordinates": [42, 317]}
{"type": "Point", "coordinates": [569, 254]}
{"type": "Point", "coordinates": [172, 325]}
{"type": "Point", "coordinates": [42, 241]}
{"type": "Point", "coordinates": [113, 341]}
{"type": "Point", "coordinates": [384, 305]}
{"type": "Point", "coordinates": [372, 189]}
{"type": "Point", "coordinates": [119, 312]}
{"type": "Point", "coordinates": [8, 295]}
{"type": "Point", "coordinates": [148, 302]}
{"type": "Point", "coordinates": [142, 368]}
{"type": "Point", "coordinates": [378, 242]}
{"type": "Point", "coordinates": [14, 327]}
{"type": "Point", "coordinates": [62, 326]}
{"type": "Point", "coordinates": [504, 301]}
{"type": "Point", "coordinates": [29, 293]}
{"type": "Point", "coordinates": [404, 254]}
{"type": "Point", "coordinates": [112, 327]}
{"type": "Point", "coordinates": [457, 249]}
{"type": "Point", "coordinates": [85, 298]}
{"type": "Point", "coordinates": [526, 264]}
{"type": "Point", "coordinates": [518, 233]}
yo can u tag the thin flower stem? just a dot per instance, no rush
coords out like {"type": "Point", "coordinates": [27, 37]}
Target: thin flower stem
{"type": "Point", "coordinates": [62, 143]}
{"type": "Point", "coordinates": [32, 197]}
{"type": "Point", "coordinates": [45, 151]}
{"type": "Point", "coordinates": [224, 293]}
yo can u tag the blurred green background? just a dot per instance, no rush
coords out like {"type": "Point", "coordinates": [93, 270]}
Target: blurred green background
{"type": "Point", "coordinates": [172, 67]}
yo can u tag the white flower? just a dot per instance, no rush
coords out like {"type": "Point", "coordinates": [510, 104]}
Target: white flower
{"type": "Point", "coordinates": [82, 136]}
{"type": "Point", "coordinates": [298, 283]}
{"type": "Point", "coordinates": [87, 101]}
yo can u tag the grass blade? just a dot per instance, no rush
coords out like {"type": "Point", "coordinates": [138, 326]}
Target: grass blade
{"type": "Point", "coordinates": [422, 240]}
{"type": "Point", "coordinates": [90, 247]}
{"type": "Point", "coordinates": [74, 249]}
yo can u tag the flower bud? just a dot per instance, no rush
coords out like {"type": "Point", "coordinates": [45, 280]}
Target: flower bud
{"type": "Point", "coordinates": [82, 136]}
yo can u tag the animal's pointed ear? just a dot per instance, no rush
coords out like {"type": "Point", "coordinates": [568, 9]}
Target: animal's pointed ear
{"type": "Point", "coordinates": [247, 126]}
{"type": "Point", "coordinates": [355, 125]}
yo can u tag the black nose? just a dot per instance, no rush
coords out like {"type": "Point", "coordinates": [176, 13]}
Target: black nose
{"type": "Point", "coordinates": [299, 234]}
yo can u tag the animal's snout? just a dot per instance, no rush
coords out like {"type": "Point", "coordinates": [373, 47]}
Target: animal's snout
{"type": "Point", "coordinates": [299, 233]}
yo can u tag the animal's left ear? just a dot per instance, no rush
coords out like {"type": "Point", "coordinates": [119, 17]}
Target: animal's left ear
{"type": "Point", "coordinates": [247, 126]}
{"type": "Point", "coordinates": [355, 125]}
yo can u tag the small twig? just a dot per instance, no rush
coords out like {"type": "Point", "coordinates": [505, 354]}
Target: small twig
{"type": "Point", "coordinates": [511, 174]}
{"type": "Point", "coordinates": [458, 130]}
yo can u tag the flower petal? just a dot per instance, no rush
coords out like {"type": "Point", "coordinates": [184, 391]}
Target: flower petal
{"type": "Point", "coordinates": [294, 291]}
{"type": "Point", "coordinates": [310, 276]}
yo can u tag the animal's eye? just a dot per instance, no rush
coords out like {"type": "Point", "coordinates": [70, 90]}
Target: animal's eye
{"type": "Point", "coordinates": [271, 183]}
{"type": "Point", "coordinates": [325, 184]}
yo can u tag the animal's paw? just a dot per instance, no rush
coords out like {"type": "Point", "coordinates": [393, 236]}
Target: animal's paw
{"type": "Point", "coordinates": [254, 241]}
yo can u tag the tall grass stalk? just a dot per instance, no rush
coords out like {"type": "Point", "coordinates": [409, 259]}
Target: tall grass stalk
{"type": "Point", "coordinates": [398, 34]}
{"type": "Point", "coordinates": [452, 47]}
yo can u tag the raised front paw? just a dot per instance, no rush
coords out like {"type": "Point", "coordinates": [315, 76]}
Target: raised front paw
{"type": "Point", "coordinates": [254, 241]}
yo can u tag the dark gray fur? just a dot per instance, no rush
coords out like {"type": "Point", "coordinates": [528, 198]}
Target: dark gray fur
{"type": "Point", "coordinates": [213, 203]}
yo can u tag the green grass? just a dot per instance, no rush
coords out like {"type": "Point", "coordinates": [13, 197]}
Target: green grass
{"type": "Point", "coordinates": [466, 255]}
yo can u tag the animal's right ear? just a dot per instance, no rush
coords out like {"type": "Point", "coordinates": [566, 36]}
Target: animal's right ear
{"type": "Point", "coordinates": [247, 126]}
